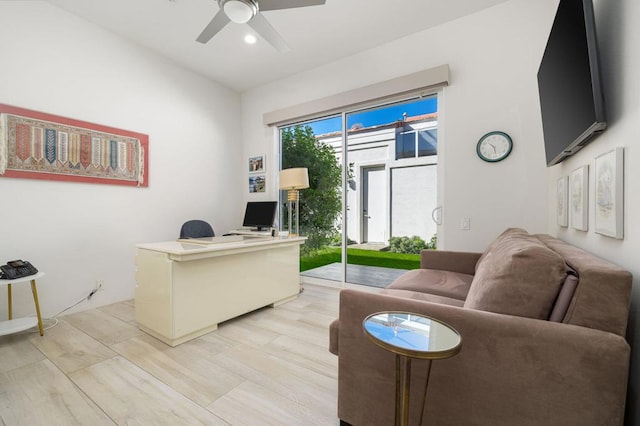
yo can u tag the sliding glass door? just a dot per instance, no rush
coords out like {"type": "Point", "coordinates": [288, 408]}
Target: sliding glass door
{"type": "Point", "coordinates": [320, 205]}
{"type": "Point", "coordinates": [368, 214]}
{"type": "Point", "coordinates": [391, 155]}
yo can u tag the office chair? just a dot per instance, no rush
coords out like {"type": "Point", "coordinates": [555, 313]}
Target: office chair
{"type": "Point", "coordinates": [196, 229]}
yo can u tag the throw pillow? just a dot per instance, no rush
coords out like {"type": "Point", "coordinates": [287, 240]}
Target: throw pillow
{"type": "Point", "coordinates": [505, 234]}
{"type": "Point", "coordinates": [519, 276]}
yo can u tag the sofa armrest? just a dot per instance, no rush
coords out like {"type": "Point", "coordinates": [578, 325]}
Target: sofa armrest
{"type": "Point", "coordinates": [455, 261]}
{"type": "Point", "coordinates": [510, 370]}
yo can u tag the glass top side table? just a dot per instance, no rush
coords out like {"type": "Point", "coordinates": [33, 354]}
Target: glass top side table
{"type": "Point", "coordinates": [409, 336]}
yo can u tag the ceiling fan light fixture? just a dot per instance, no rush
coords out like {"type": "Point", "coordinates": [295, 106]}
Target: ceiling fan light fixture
{"type": "Point", "coordinates": [239, 11]}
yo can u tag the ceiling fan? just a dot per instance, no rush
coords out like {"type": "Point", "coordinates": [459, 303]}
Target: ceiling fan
{"type": "Point", "coordinates": [248, 11]}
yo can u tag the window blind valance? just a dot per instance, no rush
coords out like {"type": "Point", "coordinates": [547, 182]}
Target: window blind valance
{"type": "Point", "coordinates": [390, 90]}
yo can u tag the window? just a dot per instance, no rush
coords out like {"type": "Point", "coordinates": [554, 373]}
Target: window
{"type": "Point", "coordinates": [424, 142]}
{"type": "Point", "coordinates": [366, 130]}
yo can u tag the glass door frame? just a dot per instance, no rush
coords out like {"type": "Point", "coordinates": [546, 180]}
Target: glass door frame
{"type": "Point", "coordinates": [345, 168]}
{"type": "Point", "coordinates": [377, 104]}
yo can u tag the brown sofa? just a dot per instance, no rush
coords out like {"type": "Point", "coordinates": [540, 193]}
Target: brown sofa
{"type": "Point", "coordinates": [542, 325]}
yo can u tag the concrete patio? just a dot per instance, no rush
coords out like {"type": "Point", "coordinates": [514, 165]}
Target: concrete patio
{"type": "Point", "coordinates": [373, 276]}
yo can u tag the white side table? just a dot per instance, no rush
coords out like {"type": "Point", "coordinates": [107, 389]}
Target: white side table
{"type": "Point", "coordinates": [15, 325]}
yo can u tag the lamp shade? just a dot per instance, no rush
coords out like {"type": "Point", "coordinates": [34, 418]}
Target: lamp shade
{"type": "Point", "coordinates": [296, 178]}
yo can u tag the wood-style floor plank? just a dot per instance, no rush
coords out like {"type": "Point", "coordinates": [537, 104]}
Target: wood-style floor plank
{"type": "Point", "coordinates": [192, 373]}
{"type": "Point", "coordinates": [40, 394]}
{"type": "Point", "coordinates": [251, 404]}
{"type": "Point", "coordinates": [69, 348]}
{"type": "Point", "coordinates": [130, 395]}
{"type": "Point", "coordinates": [103, 327]}
{"type": "Point", "coordinates": [313, 357]}
{"type": "Point", "coordinates": [16, 351]}
{"type": "Point", "coordinates": [124, 311]}
{"type": "Point", "coordinates": [242, 331]}
{"type": "Point", "coordinates": [271, 366]}
{"type": "Point", "coordinates": [299, 384]}
{"type": "Point", "coordinates": [279, 324]}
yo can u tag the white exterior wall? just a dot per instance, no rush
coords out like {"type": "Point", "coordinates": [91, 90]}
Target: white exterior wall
{"type": "Point", "coordinates": [78, 233]}
{"type": "Point", "coordinates": [413, 199]}
{"type": "Point", "coordinates": [408, 189]}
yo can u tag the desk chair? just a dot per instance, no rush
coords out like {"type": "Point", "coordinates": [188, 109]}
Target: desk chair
{"type": "Point", "coordinates": [196, 229]}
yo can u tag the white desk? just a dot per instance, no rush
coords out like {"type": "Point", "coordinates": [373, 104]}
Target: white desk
{"type": "Point", "coordinates": [19, 324]}
{"type": "Point", "coordinates": [185, 288]}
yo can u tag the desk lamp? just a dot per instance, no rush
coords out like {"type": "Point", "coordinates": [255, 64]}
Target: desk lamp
{"type": "Point", "coordinates": [293, 180]}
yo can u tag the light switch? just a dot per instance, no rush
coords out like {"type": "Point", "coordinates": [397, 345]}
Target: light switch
{"type": "Point", "coordinates": [465, 224]}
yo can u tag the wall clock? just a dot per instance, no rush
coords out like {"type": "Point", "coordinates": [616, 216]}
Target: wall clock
{"type": "Point", "coordinates": [494, 146]}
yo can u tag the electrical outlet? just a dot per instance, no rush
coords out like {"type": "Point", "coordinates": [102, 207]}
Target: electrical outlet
{"type": "Point", "coordinates": [98, 287]}
{"type": "Point", "coordinates": [465, 224]}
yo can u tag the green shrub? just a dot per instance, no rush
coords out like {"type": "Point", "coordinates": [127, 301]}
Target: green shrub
{"type": "Point", "coordinates": [336, 240]}
{"type": "Point", "coordinates": [433, 244]}
{"type": "Point", "coordinates": [408, 245]}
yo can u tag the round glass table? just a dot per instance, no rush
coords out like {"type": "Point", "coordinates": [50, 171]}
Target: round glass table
{"type": "Point", "coordinates": [410, 336]}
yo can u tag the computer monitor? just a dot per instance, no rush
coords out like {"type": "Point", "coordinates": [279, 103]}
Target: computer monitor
{"type": "Point", "coordinates": [260, 214]}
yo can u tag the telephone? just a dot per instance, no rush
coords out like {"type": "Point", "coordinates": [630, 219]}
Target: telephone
{"type": "Point", "coordinates": [17, 269]}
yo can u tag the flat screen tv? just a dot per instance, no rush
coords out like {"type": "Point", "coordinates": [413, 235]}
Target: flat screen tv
{"type": "Point", "coordinates": [569, 84]}
{"type": "Point", "coordinates": [260, 214]}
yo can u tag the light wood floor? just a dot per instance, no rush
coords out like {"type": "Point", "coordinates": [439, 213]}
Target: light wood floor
{"type": "Point", "coordinates": [269, 367]}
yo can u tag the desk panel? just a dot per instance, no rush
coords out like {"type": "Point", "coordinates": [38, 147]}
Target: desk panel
{"type": "Point", "coordinates": [184, 292]}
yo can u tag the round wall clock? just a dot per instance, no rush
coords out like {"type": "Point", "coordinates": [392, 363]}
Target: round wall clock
{"type": "Point", "coordinates": [494, 146]}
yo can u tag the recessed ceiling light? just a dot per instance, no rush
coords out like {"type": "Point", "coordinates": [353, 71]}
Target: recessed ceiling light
{"type": "Point", "coordinates": [250, 39]}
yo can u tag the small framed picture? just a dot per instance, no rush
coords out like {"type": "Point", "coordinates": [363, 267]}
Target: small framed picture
{"type": "Point", "coordinates": [579, 198]}
{"type": "Point", "coordinates": [562, 212]}
{"type": "Point", "coordinates": [257, 184]}
{"type": "Point", "coordinates": [256, 164]}
{"type": "Point", "coordinates": [609, 189]}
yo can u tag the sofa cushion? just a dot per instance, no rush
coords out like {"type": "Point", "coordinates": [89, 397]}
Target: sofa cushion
{"type": "Point", "coordinates": [423, 297]}
{"type": "Point", "coordinates": [499, 239]}
{"type": "Point", "coordinates": [518, 276]}
{"type": "Point", "coordinates": [441, 283]}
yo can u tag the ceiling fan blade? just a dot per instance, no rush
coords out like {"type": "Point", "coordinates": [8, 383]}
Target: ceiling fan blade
{"type": "Point", "coordinates": [217, 23]}
{"type": "Point", "coordinates": [264, 5]}
{"type": "Point", "coordinates": [264, 29]}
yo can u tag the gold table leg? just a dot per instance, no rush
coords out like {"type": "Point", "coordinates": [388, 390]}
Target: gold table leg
{"type": "Point", "coordinates": [426, 386]}
{"type": "Point", "coordinates": [9, 301]}
{"type": "Point", "coordinates": [403, 383]}
{"type": "Point", "coordinates": [405, 391]}
{"type": "Point", "coordinates": [398, 390]}
{"type": "Point", "coordinates": [35, 300]}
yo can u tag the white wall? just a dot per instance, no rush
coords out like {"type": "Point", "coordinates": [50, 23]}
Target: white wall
{"type": "Point", "coordinates": [618, 36]}
{"type": "Point", "coordinates": [493, 57]}
{"type": "Point", "coordinates": [79, 233]}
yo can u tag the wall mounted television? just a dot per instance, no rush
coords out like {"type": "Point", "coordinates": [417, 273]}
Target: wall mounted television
{"type": "Point", "coordinates": [569, 83]}
{"type": "Point", "coordinates": [260, 215]}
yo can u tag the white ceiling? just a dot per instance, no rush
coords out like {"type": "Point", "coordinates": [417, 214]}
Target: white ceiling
{"type": "Point", "coordinates": [316, 34]}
